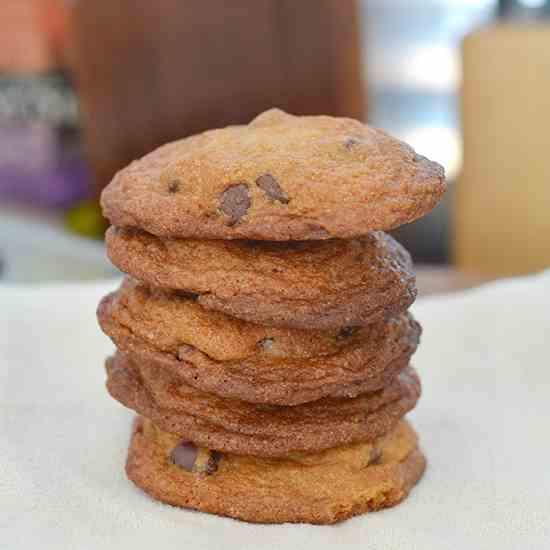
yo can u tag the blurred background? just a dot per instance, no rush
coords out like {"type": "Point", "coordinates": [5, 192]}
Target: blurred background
{"type": "Point", "coordinates": [88, 85]}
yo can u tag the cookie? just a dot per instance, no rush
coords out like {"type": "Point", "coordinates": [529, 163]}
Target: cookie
{"type": "Point", "coordinates": [232, 358]}
{"type": "Point", "coordinates": [255, 429]}
{"type": "Point", "coordinates": [280, 178]}
{"type": "Point", "coordinates": [320, 488]}
{"type": "Point", "coordinates": [308, 284]}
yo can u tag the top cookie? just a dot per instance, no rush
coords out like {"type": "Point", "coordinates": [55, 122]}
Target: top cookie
{"type": "Point", "coordinates": [281, 177]}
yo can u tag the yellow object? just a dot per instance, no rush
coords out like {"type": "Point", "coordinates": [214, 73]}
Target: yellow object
{"type": "Point", "coordinates": [86, 219]}
{"type": "Point", "coordinates": [502, 217]}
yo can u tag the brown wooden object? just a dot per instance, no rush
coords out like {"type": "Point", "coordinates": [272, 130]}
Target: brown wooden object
{"type": "Point", "coordinates": [152, 71]}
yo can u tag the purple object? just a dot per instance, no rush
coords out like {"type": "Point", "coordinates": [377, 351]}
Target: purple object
{"type": "Point", "coordinates": [40, 166]}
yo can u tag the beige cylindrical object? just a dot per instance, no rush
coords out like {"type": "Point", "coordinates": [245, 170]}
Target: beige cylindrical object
{"type": "Point", "coordinates": [502, 216]}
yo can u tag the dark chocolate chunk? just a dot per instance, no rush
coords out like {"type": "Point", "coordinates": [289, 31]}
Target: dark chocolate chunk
{"type": "Point", "coordinates": [347, 332]}
{"type": "Point", "coordinates": [212, 463]}
{"type": "Point", "coordinates": [187, 295]}
{"type": "Point", "coordinates": [174, 186]}
{"type": "Point", "coordinates": [375, 456]}
{"type": "Point", "coordinates": [318, 232]}
{"type": "Point", "coordinates": [184, 455]}
{"type": "Point", "coordinates": [266, 343]}
{"type": "Point", "coordinates": [184, 350]}
{"type": "Point", "coordinates": [350, 143]}
{"type": "Point", "coordinates": [272, 189]}
{"type": "Point", "coordinates": [235, 202]}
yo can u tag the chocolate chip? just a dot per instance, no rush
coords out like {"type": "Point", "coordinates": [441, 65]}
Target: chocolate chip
{"type": "Point", "coordinates": [316, 232]}
{"type": "Point", "coordinates": [184, 455]}
{"type": "Point", "coordinates": [174, 186]}
{"type": "Point", "coordinates": [211, 464]}
{"type": "Point", "coordinates": [266, 343]}
{"type": "Point", "coordinates": [350, 143]}
{"type": "Point", "coordinates": [185, 350]}
{"type": "Point", "coordinates": [375, 456]}
{"type": "Point", "coordinates": [187, 295]}
{"type": "Point", "coordinates": [347, 332]}
{"type": "Point", "coordinates": [235, 202]}
{"type": "Point", "coordinates": [272, 189]}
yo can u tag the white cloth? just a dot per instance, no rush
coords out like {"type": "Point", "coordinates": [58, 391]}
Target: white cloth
{"type": "Point", "coordinates": [484, 423]}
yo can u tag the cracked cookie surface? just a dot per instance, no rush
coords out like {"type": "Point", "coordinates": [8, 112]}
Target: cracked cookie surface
{"type": "Point", "coordinates": [281, 177]}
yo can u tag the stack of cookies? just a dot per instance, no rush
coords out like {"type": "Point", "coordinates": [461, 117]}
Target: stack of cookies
{"type": "Point", "coordinates": [262, 332]}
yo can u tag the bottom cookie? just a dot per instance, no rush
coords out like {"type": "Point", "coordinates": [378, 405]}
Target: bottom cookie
{"type": "Point", "coordinates": [322, 488]}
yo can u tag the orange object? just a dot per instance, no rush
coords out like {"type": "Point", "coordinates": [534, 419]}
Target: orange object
{"type": "Point", "coordinates": [32, 35]}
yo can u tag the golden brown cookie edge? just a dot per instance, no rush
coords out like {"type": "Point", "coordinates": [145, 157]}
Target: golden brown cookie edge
{"type": "Point", "coordinates": [251, 509]}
